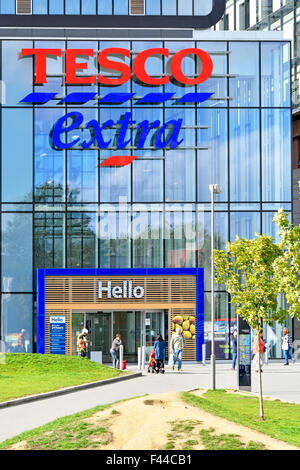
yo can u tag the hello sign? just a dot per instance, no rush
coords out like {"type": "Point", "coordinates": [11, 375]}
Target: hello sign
{"type": "Point", "coordinates": [108, 59]}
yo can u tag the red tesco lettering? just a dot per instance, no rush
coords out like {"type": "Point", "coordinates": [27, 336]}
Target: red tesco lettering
{"type": "Point", "coordinates": [125, 72]}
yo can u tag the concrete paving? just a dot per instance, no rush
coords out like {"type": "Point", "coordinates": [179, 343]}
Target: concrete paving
{"type": "Point", "coordinates": [278, 381]}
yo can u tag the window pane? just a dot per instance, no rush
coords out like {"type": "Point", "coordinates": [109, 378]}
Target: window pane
{"type": "Point", "coordinates": [276, 147]}
{"type": "Point", "coordinates": [213, 163]}
{"type": "Point", "coordinates": [121, 7]}
{"type": "Point", "coordinates": [244, 155]}
{"type": "Point", "coordinates": [180, 175]}
{"type": "Point", "coordinates": [17, 252]}
{"type": "Point", "coordinates": [82, 176]}
{"type": "Point", "coordinates": [105, 7]}
{"type": "Point", "coordinates": [88, 7]}
{"type": "Point", "coordinates": [40, 7]}
{"type": "Point", "coordinates": [152, 7]}
{"type": "Point", "coordinates": [82, 249]}
{"type": "Point", "coordinates": [114, 183]}
{"type": "Point", "coordinates": [185, 7]}
{"type": "Point", "coordinates": [72, 7]}
{"type": "Point", "coordinates": [49, 163]}
{"type": "Point", "coordinates": [17, 74]}
{"type": "Point", "coordinates": [169, 7]}
{"type": "Point", "coordinates": [17, 316]}
{"type": "Point", "coordinates": [180, 235]}
{"type": "Point", "coordinates": [49, 237]}
{"type": "Point", "coordinates": [244, 63]}
{"type": "Point", "coordinates": [147, 240]}
{"type": "Point", "coordinates": [56, 7]}
{"type": "Point", "coordinates": [275, 69]}
{"type": "Point", "coordinates": [222, 325]}
{"type": "Point", "coordinates": [8, 7]}
{"type": "Point", "coordinates": [147, 180]}
{"type": "Point", "coordinates": [17, 155]}
{"type": "Point", "coordinates": [244, 224]}
{"type": "Point", "coordinates": [114, 240]}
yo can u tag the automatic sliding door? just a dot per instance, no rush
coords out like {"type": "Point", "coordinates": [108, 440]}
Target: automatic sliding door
{"type": "Point", "coordinates": [128, 324]}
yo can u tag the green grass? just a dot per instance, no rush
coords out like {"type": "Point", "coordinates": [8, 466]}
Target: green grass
{"type": "Point", "coordinates": [68, 433]}
{"type": "Point", "coordinates": [28, 374]}
{"type": "Point", "coordinates": [214, 441]}
{"type": "Point", "coordinates": [282, 420]}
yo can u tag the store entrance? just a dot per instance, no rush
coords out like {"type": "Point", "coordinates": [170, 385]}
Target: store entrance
{"type": "Point", "coordinates": [137, 328]}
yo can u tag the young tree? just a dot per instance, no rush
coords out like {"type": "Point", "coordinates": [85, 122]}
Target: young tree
{"type": "Point", "coordinates": [287, 266]}
{"type": "Point", "coordinates": [246, 269]}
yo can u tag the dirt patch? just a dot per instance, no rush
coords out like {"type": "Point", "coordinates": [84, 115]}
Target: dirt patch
{"type": "Point", "coordinates": [136, 425]}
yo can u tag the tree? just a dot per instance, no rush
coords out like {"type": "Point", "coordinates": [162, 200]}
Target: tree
{"type": "Point", "coordinates": [287, 266]}
{"type": "Point", "coordinates": [246, 269]}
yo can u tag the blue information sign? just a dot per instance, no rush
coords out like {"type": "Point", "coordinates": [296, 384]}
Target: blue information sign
{"type": "Point", "coordinates": [244, 356]}
{"type": "Point", "coordinates": [58, 335]}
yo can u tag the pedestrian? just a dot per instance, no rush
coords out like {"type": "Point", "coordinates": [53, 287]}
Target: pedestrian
{"type": "Point", "coordinates": [115, 350]}
{"type": "Point", "coordinates": [159, 347]}
{"type": "Point", "coordinates": [287, 346]}
{"type": "Point", "coordinates": [262, 351]}
{"type": "Point", "coordinates": [82, 341]}
{"type": "Point", "coordinates": [21, 341]}
{"type": "Point", "coordinates": [177, 347]}
{"type": "Point", "coordinates": [234, 350]}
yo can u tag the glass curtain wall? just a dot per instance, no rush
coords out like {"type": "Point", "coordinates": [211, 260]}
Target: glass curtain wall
{"type": "Point", "coordinates": [63, 209]}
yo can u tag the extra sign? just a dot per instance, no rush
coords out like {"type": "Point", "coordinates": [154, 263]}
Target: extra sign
{"type": "Point", "coordinates": [167, 135]}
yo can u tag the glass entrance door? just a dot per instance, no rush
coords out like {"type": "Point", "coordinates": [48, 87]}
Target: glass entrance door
{"type": "Point", "coordinates": [99, 327]}
{"type": "Point", "coordinates": [153, 323]}
{"type": "Point", "coordinates": [128, 324]}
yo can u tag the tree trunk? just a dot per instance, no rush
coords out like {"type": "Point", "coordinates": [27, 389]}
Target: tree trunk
{"type": "Point", "coordinates": [260, 394]}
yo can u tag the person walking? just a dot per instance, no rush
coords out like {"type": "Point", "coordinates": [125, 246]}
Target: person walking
{"type": "Point", "coordinates": [262, 351]}
{"type": "Point", "coordinates": [287, 346]}
{"type": "Point", "coordinates": [159, 348]}
{"type": "Point", "coordinates": [234, 350]}
{"type": "Point", "coordinates": [115, 349]}
{"type": "Point", "coordinates": [177, 347]}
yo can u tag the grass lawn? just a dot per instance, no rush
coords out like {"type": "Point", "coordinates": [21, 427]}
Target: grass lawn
{"type": "Point", "coordinates": [28, 374]}
{"type": "Point", "coordinates": [282, 420]}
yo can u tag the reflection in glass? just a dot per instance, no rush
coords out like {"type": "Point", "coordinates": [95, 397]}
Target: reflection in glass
{"type": "Point", "coordinates": [16, 316]}
{"type": "Point", "coordinates": [276, 146]}
{"type": "Point", "coordinates": [244, 224]}
{"type": "Point", "coordinates": [49, 236]}
{"type": "Point", "coordinates": [244, 63]}
{"type": "Point", "coordinates": [114, 239]}
{"type": "Point", "coordinates": [82, 249]}
{"type": "Point", "coordinates": [213, 163]}
{"type": "Point", "coordinates": [16, 252]}
{"type": "Point", "coordinates": [275, 70]}
{"type": "Point", "coordinates": [180, 175]}
{"type": "Point", "coordinates": [82, 176]}
{"type": "Point", "coordinates": [147, 240]}
{"type": "Point", "coordinates": [147, 180]}
{"type": "Point", "coordinates": [17, 155]}
{"type": "Point", "coordinates": [223, 326]}
{"type": "Point", "coordinates": [180, 235]}
{"type": "Point", "coordinates": [244, 155]}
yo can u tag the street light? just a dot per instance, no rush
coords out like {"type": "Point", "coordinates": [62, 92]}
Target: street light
{"type": "Point", "coordinates": [214, 189]}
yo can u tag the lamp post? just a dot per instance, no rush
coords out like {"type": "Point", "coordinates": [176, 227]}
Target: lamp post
{"type": "Point", "coordinates": [214, 189]}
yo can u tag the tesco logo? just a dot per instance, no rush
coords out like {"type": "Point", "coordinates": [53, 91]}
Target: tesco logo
{"type": "Point", "coordinates": [106, 62]}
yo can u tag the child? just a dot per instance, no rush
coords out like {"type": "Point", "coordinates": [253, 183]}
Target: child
{"type": "Point", "coordinates": [152, 362]}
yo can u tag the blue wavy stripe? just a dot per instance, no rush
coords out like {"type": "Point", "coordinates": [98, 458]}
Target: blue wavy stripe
{"type": "Point", "coordinates": [38, 98]}
{"type": "Point", "coordinates": [116, 98]}
{"type": "Point", "coordinates": [156, 98]}
{"type": "Point", "coordinates": [78, 98]}
{"type": "Point", "coordinates": [194, 97]}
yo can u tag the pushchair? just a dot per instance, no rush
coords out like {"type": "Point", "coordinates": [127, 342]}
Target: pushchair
{"type": "Point", "coordinates": [152, 362]}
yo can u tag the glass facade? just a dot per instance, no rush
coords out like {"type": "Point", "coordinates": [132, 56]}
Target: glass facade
{"type": "Point", "coordinates": [62, 209]}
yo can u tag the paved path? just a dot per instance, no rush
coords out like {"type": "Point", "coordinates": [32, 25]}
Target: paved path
{"type": "Point", "coordinates": [278, 381]}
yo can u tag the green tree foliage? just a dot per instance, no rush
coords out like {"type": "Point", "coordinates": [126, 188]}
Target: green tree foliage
{"type": "Point", "coordinates": [287, 266]}
{"type": "Point", "coordinates": [247, 270]}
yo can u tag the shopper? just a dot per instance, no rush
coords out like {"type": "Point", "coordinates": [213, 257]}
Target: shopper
{"type": "Point", "coordinates": [286, 346]}
{"type": "Point", "coordinates": [115, 350]}
{"type": "Point", "coordinates": [159, 347]}
{"type": "Point", "coordinates": [177, 347]}
{"type": "Point", "coordinates": [234, 350]}
{"type": "Point", "coordinates": [262, 351]}
{"type": "Point", "coordinates": [82, 343]}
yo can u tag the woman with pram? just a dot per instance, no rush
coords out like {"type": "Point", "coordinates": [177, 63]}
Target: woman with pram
{"type": "Point", "coordinates": [159, 348]}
